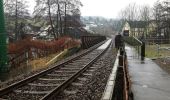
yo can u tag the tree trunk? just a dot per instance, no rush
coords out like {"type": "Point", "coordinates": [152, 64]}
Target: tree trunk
{"type": "Point", "coordinates": [61, 26]}
{"type": "Point", "coordinates": [65, 18]}
{"type": "Point", "coordinates": [51, 23]}
{"type": "Point", "coordinates": [16, 20]}
{"type": "Point", "coordinates": [57, 23]}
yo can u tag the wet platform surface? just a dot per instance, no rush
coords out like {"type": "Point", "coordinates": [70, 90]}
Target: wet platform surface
{"type": "Point", "coordinates": [149, 81]}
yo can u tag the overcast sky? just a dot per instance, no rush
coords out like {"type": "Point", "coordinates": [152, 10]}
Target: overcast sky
{"type": "Point", "coordinates": [105, 8]}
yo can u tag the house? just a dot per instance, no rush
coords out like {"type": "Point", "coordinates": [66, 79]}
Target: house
{"type": "Point", "coordinates": [152, 29]}
{"type": "Point", "coordinates": [135, 28]}
{"type": "Point", "coordinates": [126, 29]}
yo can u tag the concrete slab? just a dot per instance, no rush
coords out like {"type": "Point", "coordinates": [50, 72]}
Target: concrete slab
{"type": "Point", "coordinates": [108, 93]}
{"type": "Point", "coordinates": [149, 81]}
{"type": "Point", "coordinates": [105, 45]}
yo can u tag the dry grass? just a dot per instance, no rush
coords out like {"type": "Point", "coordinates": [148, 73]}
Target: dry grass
{"type": "Point", "coordinates": [40, 63]}
{"type": "Point", "coordinates": [164, 64]}
{"type": "Point", "coordinates": [152, 51]}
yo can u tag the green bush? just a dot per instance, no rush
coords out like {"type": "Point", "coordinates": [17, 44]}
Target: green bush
{"type": "Point", "coordinates": [131, 41]}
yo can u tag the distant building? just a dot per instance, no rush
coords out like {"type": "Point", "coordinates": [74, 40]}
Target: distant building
{"type": "Point", "coordinates": [138, 28]}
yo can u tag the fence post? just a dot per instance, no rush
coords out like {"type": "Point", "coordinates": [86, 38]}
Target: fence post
{"type": "Point", "coordinates": [143, 51]}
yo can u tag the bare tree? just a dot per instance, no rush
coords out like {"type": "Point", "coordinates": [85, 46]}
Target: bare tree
{"type": "Point", "coordinates": [49, 13]}
{"type": "Point", "coordinates": [145, 15]}
{"type": "Point", "coordinates": [15, 11]}
{"type": "Point", "coordinates": [43, 8]}
{"type": "Point", "coordinates": [57, 10]}
{"type": "Point", "coordinates": [130, 12]}
{"type": "Point", "coordinates": [162, 17]}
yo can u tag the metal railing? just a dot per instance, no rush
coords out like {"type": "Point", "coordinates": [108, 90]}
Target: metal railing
{"type": "Point", "coordinates": [138, 45]}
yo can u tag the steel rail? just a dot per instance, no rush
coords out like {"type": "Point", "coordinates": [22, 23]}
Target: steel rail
{"type": "Point", "coordinates": [23, 82]}
{"type": "Point", "coordinates": [60, 88]}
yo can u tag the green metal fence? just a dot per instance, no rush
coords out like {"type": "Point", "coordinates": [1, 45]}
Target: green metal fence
{"type": "Point", "coordinates": [3, 41]}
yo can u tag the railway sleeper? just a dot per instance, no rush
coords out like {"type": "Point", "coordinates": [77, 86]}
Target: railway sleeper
{"type": "Point", "coordinates": [32, 92]}
{"type": "Point", "coordinates": [91, 70]}
{"type": "Point", "coordinates": [87, 74]}
{"type": "Point", "coordinates": [47, 82]}
{"type": "Point", "coordinates": [59, 75]}
{"type": "Point", "coordinates": [81, 60]}
{"type": "Point", "coordinates": [56, 77]}
{"type": "Point", "coordinates": [71, 68]}
{"type": "Point", "coordinates": [51, 79]}
{"type": "Point", "coordinates": [77, 84]}
{"type": "Point", "coordinates": [70, 91]}
{"type": "Point", "coordinates": [58, 71]}
{"type": "Point", "coordinates": [82, 79]}
{"type": "Point", "coordinates": [43, 85]}
{"type": "Point", "coordinates": [81, 63]}
{"type": "Point", "coordinates": [74, 65]}
{"type": "Point", "coordinates": [76, 70]}
{"type": "Point", "coordinates": [94, 67]}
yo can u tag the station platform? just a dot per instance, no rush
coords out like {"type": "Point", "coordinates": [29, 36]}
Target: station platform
{"type": "Point", "coordinates": [149, 81]}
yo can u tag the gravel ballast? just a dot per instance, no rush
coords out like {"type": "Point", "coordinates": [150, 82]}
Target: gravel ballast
{"type": "Point", "coordinates": [93, 87]}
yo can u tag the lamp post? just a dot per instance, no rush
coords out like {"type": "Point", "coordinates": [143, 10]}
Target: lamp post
{"type": "Point", "coordinates": [3, 41]}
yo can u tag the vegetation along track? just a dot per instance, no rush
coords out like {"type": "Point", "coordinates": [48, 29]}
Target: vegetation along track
{"type": "Point", "coordinates": [47, 84]}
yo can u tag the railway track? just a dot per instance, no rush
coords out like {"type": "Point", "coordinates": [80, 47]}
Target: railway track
{"type": "Point", "coordinates": [47, 84]}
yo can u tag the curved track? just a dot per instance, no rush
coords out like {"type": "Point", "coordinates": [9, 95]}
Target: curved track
{"type": "Point", "coordinates": [47, 84]}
